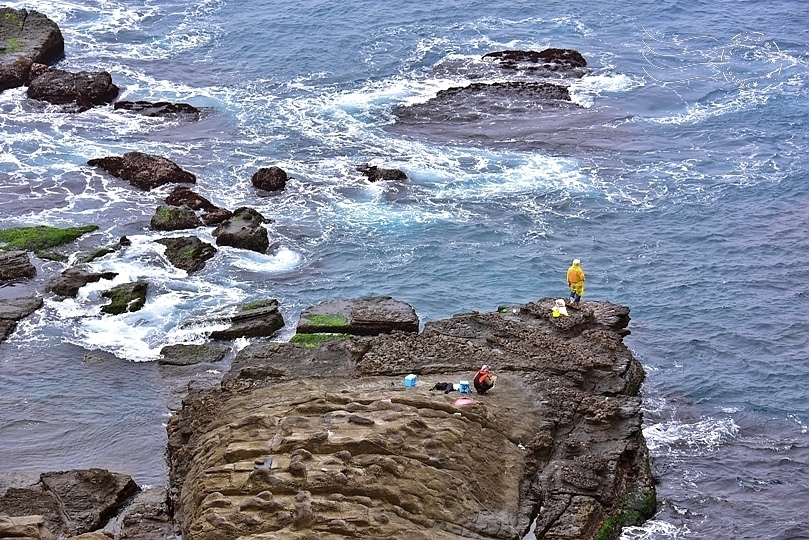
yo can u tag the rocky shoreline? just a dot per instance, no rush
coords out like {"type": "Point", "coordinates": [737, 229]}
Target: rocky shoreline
{"type": "Point", "coordinates": [327, 442]}
{"type": "Point", "coordinates": [318, 438]}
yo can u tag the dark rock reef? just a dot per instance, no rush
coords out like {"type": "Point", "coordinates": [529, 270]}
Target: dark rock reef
{"type": "Point", "coordinates": [81, 91]}
{"type": "Point", "coordinates": [303, 442]}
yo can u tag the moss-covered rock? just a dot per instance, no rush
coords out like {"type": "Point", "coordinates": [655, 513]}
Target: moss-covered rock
{"type": "Point", "coordinates": [128, 297]}
{"type": "Point", "coordinates": [315, 340]}
{"type": "Point", "coordinates": [174, 218]}
{"type": "Point", "coordinates": [188, 253]}
{"type": "Point", "coordinates": [41, 237]}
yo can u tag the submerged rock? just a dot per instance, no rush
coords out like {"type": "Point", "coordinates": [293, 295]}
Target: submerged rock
{"type": "Point", "coordinates": [375, 174]}
{"type": "Point", "coordinates": [26, 37]}
{"type": "Point", "coordinates": [144, 171]}
{"type": "Point", "coordinates": [327, 440]}
{"type": "Point", "coordinates": [125, 298]}
{"type": "Point", "coordinates": [160, 108]}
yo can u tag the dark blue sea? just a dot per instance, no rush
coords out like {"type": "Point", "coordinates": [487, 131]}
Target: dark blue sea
{"type": "Point", "coordinates": [681, 180]}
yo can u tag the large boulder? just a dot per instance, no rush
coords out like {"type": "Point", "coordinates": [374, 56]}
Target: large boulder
{"type": "Point", "coordinates": [269, 179]}
{"type": "Point", "coordinates": [144, 171]}
{"type": "Point", "coordinates": [82, 91]}
{"type": "Point", "coordinates": [327, 441]}
{"type": "Point", "coordinates": [70, 502]}
{"type": "Point", "coordinates": [362, 317]}
{"type": "Point", "coordinates": [74, 278]}
{"type": "Point", "coordinates": [16, 265]}
{"type": "Point", "coordinates": [187, 253]}
{"type": "Point", "coordinates": [26, 37]}
{"type": "Point", "coordinates": [243, 230]}
{"type": "Point", "coordinates": [261, 318]}
{"type": "Point", "coordinates": [12, 310]}
{"type": "Point", "coordinates": [174, 218]}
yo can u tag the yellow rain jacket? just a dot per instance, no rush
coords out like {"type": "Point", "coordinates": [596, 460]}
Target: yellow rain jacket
{"type": "Point", "coordinates": [575, 279]}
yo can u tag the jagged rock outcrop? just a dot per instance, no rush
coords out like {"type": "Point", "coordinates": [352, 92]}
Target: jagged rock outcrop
{"type": "Point", "coordinates": [74, 278]}
{"type": "Point", "coordinates": [244, 230]}
{"type": "Point", "coordinates": [26, 37]}
{"type": "Point", "coordinates": [16, 265]}
{"type": "Point", "coordinates": [144, 171]}
{"type": "Point", "coordinates": [12, 310]}
{"type": "Point", "coordinates": [327, 443]}
{"type": "Point", "coordinates": [174, 218]}
{"type": "Point", "coordinates": [362, 317]}
{"type": "Point", "coordinates": [188, 253]}
{"type": "Point", "coordinates": [269, 179]}
{"type": "Point", "coordinates": [375, 174]}
{"type": "Point", "coordinates": [68, 503]}
{"type": "Point", "coordinates": [81, 91]}
{"type": "Point", "coordinates": [255, 319]}
{"type": "Point", "coordinates": [159, 109]}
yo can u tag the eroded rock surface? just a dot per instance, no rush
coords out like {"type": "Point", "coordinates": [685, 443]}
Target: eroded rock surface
{"type": "Point", "coordinates": [68, 503]}
{"type": "Point", "coordinates": [327, 443]}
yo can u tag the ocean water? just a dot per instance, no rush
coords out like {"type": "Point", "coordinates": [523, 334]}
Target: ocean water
{"type": "Point", "coordinates": [680, 180]}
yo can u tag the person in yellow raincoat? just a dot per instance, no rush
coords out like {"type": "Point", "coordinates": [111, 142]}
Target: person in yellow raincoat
{"type": "Point", "coordinates": [575, 280]}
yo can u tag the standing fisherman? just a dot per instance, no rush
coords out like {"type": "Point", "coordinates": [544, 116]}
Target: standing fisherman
{"type": "Point", "coordinates": [575, 280]}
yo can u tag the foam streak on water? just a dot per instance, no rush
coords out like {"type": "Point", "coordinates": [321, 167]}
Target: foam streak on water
{"type": "Point", "coordinates": [679, 178]}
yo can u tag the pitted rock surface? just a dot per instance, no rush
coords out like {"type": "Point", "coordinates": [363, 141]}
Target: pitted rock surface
{"type": "Point", "coordinates": [328, 443]}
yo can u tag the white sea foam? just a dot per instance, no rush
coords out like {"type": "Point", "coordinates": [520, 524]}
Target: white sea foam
{"type": "Point", "coordinates": [655, 529]}
{"type": "Point", "coordinates": [586, 90]}
{"type": "Point", "coordinates": [676, 437]}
